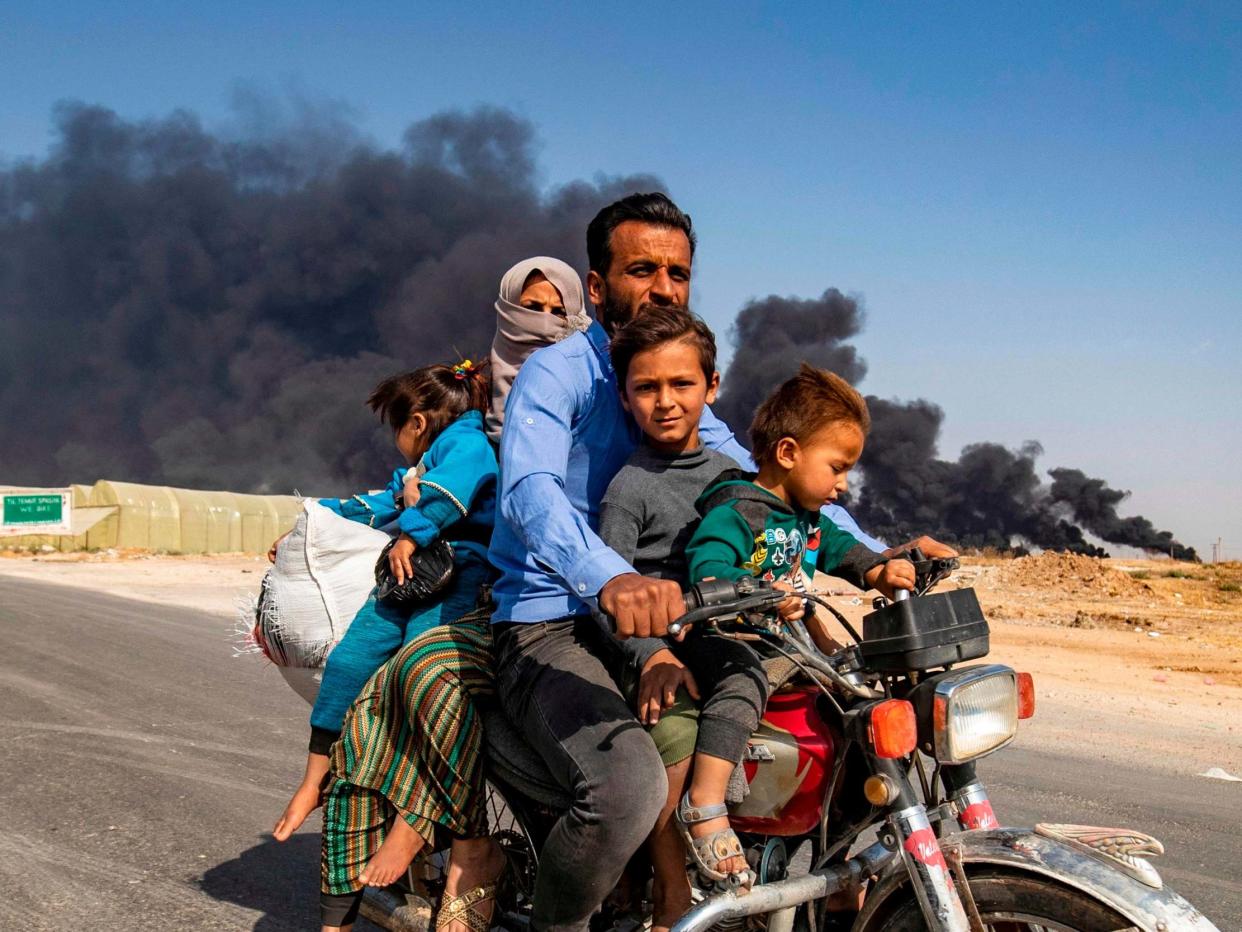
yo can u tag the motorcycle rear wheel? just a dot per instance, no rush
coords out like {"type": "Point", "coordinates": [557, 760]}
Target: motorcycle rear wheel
{"type": "Point", "coordinates": [1014, 902]}
{"type": "Point", "coordinates": [518, 832]}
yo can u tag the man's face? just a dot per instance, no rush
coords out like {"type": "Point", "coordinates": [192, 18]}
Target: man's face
{"type": "Point", "coordinates": [650, 265]}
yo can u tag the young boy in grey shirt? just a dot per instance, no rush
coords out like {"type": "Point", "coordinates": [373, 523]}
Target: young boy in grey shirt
{"type": "Point", "coordinates": [665, 362]}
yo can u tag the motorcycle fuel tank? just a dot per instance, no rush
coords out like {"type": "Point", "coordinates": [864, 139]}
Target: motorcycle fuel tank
{"type": "Point", "coordinates": [788, 763]}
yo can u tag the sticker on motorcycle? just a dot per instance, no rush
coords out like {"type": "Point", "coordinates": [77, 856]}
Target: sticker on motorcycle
{"type": "Point", "coordinates": [924, 847]}
{"type": "Point", "coordinates": [978, 815]}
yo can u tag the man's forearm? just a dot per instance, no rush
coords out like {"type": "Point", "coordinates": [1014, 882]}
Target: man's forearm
{"type": "Point", "coordinates": [559, 537]}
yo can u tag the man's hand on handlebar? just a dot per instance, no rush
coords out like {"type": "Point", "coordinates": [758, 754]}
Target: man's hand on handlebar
{"type": "Point", "coordinates": [641, 606]}
{"type": "Point", "coordinates": [663, 674]}
{"type": "Point", "coordinates": [932, 548]}
{"type": "Point", "coordinates": [891, 576]}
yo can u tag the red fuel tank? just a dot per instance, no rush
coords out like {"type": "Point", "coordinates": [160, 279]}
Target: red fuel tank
{"type": "Point", "coordinates": [789, 762]}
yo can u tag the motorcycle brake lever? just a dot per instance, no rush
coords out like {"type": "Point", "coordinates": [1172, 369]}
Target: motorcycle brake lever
{"type": "Point", "coordinates": [764, 598]}
{"type": "Point", "coordinates": [929, 571]}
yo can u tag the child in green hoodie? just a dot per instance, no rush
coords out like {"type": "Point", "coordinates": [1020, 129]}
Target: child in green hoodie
{"type": "Point", "coordinates": [806, 438]}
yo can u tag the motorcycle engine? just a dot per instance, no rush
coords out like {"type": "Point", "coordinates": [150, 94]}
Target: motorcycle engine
{"type": "Point", "coordinates": [769, 860]}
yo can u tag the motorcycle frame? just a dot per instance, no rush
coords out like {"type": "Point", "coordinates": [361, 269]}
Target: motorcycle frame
{"type": "Point", "coordinates": [908, 830]}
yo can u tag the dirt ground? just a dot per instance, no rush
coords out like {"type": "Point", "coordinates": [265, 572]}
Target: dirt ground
{"type": "Point", "coordinates": [1135, 659]}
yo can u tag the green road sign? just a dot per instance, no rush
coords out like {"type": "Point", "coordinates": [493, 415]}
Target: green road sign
{"type": "Point", "coordinates": [33, 510]}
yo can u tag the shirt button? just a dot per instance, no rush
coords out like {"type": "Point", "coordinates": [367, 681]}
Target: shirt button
{"type": "Point", "coordinates": [530, 420]}
{"type": "Point", "coordinates": [582, 587]}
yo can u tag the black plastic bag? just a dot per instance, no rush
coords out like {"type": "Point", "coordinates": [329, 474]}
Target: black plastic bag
{"type": "Point", "coordinates": [433, 570]}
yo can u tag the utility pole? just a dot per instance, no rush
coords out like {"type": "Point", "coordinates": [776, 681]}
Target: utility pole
{"type": "Point", "coordinates": [1216, 550]}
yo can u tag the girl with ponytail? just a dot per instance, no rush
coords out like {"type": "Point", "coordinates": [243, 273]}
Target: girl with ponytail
{"type": "Point", "coordinates": [445, 492]}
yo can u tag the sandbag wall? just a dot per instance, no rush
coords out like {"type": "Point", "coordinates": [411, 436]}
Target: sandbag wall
{"type": "Point", "coordinates": [162, 518]}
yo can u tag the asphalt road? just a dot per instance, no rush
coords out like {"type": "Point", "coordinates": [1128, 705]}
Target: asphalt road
{"type": "Point", "coordinates": [144, 765]}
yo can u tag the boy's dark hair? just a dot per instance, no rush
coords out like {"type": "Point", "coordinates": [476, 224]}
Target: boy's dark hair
{"type": "Point", "coordinates": [810, 401]}
{"type": "Point", "coordinates": [654, 208]}
{"type": "Point", "coordinates": [441, 393]}
{"type": "Point", "coordinates": [653, 326]}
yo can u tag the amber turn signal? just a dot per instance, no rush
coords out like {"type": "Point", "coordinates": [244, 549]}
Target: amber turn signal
{"type": "Point", "coordinates": [879, 790]}
{"type": "Point", "coordinates": [894, 730]}
{"type": "Point", "coordinates": [1026, 695]}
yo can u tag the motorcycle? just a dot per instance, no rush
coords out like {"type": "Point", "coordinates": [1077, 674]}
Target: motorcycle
{"type": "Point", "coordinates": [881, 739]}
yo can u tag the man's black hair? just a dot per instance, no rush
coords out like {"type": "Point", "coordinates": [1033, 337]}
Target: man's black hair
{"type": "Point", "coordinates": [654, 208]}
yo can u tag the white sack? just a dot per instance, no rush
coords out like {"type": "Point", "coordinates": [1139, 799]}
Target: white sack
{"type": "Point", "coordinates": [324, 572]}
{"type": "Point", "coordinates": [304, 680]}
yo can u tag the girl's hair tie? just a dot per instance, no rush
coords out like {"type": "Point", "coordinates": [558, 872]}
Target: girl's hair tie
{"type": "Point", "coordinates": [463, 369]}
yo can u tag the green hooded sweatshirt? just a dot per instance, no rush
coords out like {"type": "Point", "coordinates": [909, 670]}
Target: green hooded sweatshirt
{"type": "Point", "coordinates": [748, 531]}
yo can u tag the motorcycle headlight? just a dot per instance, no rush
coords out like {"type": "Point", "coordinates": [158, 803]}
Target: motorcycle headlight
{"type": "Point", "coordinates": [973, 712]}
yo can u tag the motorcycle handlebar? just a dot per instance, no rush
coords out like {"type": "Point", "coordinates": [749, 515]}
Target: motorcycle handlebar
{"type": "Point", "coordinates": [714, 599]}
{"type": "Point", "coordinates": [725, 600]}
{"type": "Point", "coordinates": [721, 599]}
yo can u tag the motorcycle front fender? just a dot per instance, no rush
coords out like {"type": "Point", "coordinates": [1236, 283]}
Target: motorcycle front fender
{"type": "Point", "coordinates": [1023, 851]}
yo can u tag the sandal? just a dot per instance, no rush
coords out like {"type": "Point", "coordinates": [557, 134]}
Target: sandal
{"type": "Point", "coordinates": [464, 908]}
{"type": "Point", "coordinates": [711, 849]}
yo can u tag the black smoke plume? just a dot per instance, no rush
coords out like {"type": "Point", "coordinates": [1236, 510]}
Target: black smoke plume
{"type": "Point", "coordinates": [1094, 506]}
{"type": "Point", "coordinates": [210, 309]}
{"type": "Point", "coordinates": [773, 335]}
{"type": "Point", "coordinates": [990, 497]}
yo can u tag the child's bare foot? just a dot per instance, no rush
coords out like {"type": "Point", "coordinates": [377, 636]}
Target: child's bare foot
{"type": "Point", "coordinates": [394, 855]}
{"type": "Point", "coordinates": [306, 799]}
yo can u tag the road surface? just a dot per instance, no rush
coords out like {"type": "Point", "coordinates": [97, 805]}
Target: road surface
{"type": "Point", "coordinates": [145, 765]}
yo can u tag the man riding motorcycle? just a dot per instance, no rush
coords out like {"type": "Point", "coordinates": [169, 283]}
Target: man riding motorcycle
{"type": "Point", "coordinates": [566, 436]}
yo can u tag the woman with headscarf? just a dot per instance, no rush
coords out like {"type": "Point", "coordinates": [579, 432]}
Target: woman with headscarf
{"type": "Point", "coordinates": [412, 742]}
{"type": "Point", "coordinates": [540, 303]}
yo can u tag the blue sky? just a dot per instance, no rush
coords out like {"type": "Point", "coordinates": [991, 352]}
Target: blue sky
{"type": "Point", "coordinates": [1039, 204]}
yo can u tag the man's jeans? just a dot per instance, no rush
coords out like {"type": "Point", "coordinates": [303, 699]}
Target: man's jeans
{"type": "Point", "coordinates": [555, 681]}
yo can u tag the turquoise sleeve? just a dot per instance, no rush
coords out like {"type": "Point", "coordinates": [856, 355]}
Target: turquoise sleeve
{"type": "Point", "coordinates": [374, 510]}
{"type": "Point", "coordinates": [458, 468]}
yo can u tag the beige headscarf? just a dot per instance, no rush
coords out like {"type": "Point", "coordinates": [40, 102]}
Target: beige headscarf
{"type": "Point", "coordinates": [520, 331]}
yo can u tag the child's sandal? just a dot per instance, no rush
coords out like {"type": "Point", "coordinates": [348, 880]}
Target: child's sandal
{"type": "Point", "coordinates": [464, 909]}
{"type": "Point", "coordinates": [713, 848]}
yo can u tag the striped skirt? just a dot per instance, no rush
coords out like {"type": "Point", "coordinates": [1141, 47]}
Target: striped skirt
{"type": "Point", "coordinates": [412, 746]}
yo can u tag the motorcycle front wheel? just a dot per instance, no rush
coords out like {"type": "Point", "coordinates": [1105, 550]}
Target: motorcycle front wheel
{"type": "Point", "coordinates": [1014, 902]}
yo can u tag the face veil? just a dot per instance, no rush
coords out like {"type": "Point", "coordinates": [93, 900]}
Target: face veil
{"type": "Point", "coordinates": [520, 331]}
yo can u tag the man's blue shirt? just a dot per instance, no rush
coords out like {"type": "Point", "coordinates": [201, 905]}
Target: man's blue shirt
{"type": "Point", "coordinates": [566, 436]}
